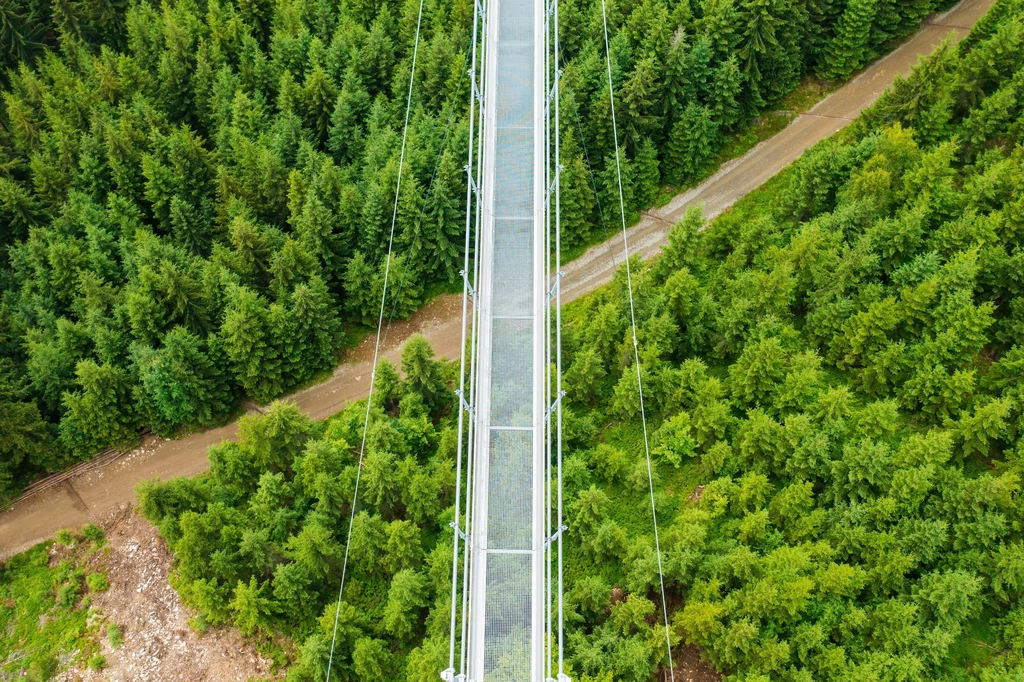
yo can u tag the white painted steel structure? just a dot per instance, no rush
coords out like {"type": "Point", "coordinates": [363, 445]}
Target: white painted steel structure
{"type": "Point", "coordinates": [505, 641]}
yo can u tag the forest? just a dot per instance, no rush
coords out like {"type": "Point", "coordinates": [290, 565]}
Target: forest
{"type": "Point", "coordinates": [835, 374]}
{"type": "Point", "coordinates": [196, 194]}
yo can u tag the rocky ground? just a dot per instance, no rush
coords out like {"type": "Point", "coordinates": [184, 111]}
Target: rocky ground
{"type": "Point", "coordinates": [158, 644]}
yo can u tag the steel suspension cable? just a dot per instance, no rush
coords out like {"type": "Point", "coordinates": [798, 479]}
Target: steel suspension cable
{"type": "Point", "coordinates": [449, 673]}
{"type": "Point", "coordinates": [548, 640]}
{"type": "Point", "coordinates": [636, 350]}
{"type": "Point", "coordinates": [480, 8]}
{"type": "Point", "coordinates": [554, 590]}
{"type": "Point", "coordinates": [558, 349]}
{"type": "Point", "coordinates": [376, 346]}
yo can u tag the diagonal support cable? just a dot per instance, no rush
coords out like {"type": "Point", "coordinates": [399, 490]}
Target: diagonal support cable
{"type": "Point", "coordinates": [376, 346]}
{"type": "Point", "coordinates": [636, 350]}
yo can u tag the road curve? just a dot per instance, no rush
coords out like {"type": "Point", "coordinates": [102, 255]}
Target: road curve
{"type": "Point", "coordinates": [99, 493]}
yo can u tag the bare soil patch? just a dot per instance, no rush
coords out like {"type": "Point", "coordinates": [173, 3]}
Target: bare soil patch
{"type": "Point", "coordinates": [690, 666]}
{"type": "Point", "coordinates": [158, 644]}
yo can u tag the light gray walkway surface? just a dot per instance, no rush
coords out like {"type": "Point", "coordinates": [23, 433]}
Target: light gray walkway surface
{"type": "Point", "coordinates": [506, 594]}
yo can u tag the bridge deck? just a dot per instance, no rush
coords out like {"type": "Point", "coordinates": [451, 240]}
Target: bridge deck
{"type": "Point", "coordinates": [507, 595]}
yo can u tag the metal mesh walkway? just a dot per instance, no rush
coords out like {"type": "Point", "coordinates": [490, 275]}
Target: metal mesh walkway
{"type": "Point", "coordinates": [507, 592]}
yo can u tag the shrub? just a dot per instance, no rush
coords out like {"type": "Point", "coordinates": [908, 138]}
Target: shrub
{"type": "Point", "coordinates": [94, 533]}
{"type": "Point", "coordinates": [42, 669]}
{"type": "Point", "coordinates": [97, 662]}
{"type": "Point", "coordinates": [97, 582]}
{"type": "Point", "coordinates": [67, 595]}
{"type": "Point", "coordinates": [64, 538]}
{"type": "Point", "coordinates": [114, 636]}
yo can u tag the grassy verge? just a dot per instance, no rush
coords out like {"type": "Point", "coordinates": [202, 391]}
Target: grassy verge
{"type": "Point", "coordinates": [46, 619]}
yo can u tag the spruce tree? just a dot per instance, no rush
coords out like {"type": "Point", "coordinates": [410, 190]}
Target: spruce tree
{"type": "Point", "coordinates": [849, 49]}
{"type": "Point", "coordinates": [676, 89]}
{"type": "Point", "coordinates": [440, 251]}
{"type": "Point", "coordinates": [727, 85]}
{"type": "Point", "coordinates": [317, 325]}
{"type": "Point", "coordinates": [248, 342]}
{"type": "Point", "coordinates": [691, 144]}
{"type": "Point", "coordinates": [345, 135]}
{"type": "Point", "coordinates": [610, 186]}
{"type": "Point", "coordinates": [185, 384]}
{"type": "Point", "coordinates": [698, 67]}
{"type": "Point", "coordinates": [648, 177]}
{"type": "Point", "coordinates": [360, 302]}
{"type": "Point", "coordinates": [760, 24]}
{"type": "Point", "coordinates": [320, 95]}
{"type": "Point", "coordinates": [100, 413]}
{"type": "Point", "coordinates": [578, 201]}
{"type": "Point", "coordinates": [422, 373]}
{"type": "Point", "coordinates": [639, 98]}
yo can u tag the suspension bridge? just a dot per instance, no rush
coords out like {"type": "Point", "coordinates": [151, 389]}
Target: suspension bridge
{"type": "Point", "coordinates": [507, 610]}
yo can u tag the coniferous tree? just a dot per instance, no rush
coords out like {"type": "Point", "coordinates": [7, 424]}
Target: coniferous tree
{"type": "Point", "coordinates": [247, 336]}
{"type": "Point", "coordinates": [422, 372]}
{"type": "Point", "coordinates": [691, 144]}
{"type": "Point", "coordinates": [578, 202]}
{"type": "Point", "coordinates": [184, 380]}
{"type": "Point", "coordinates": [849, 50]}
{"type": "Point", "coordinates": [359, 289]}
{"type": "Point", "coordinates": [24, 32]}
{"type": "Point", "coordinates": [648, 177]}
{"type": "Point", "coordinates": [344, 137]}
{"type": "Point", "coordinates": [615, 178]}
{"type": "Point", "coordinates": [760, 44]}
{"type": "Point", "coordinates": [727, 85]}
{"type": "Point", "coordinates": [676, 88]}
{"type": "Point", "coordinates": [99, 412]}
{"type": "Point", "coordinates": [317, 328]}
{"type": "Point", "coordinates": [320, 95]}
{"type": "Point", "coordinates": [639, 99]}
{"type": "Point", "coordinates": [437, 249]}
{"type": "Point", "coordinates": [24, 436]}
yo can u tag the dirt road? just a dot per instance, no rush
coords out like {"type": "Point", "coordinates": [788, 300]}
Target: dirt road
{"type": "Point", "coordinates": [96, 494]}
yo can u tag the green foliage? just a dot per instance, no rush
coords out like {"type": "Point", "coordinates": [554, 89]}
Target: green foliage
{"type": "Point", "coordinates": [97, 582]}
{"type": "Point", "coordinates": [850, 47]}
{"type": "Point", "coordinates": [94, 533]}
{"type": "Point", "coordinates": [114, 636]}
{"type": "Point", "coordinates": [42, 621]}
{"type": "Point", "coordinates": [835, 425]}
{"type": "Point", "coordinates": [199, 198]}
{"type": "Point", "coordinates": [257, 543]}
{"type": "Point", "coordinates": [231, 199]}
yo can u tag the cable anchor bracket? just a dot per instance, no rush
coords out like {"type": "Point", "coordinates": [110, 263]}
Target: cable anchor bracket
{"type": "Point", "coordinates": [558, 283]}
{"type": "Point", "coordinates": [554, 183]}
{"type": "Point", "coordinates": [465, 405]}
{"type": "Point", "coordinates": [554, 88]}
{"type": "Point", "coordinates": [554, 406]}
{"type": "Point", "coordinates": [553, 538]}
{"type": "Point", "coordinates": [458, 531]}
{"type": "Point", "coordinates": [469, 287]}
{"type": "Point", "coordinates": [472, 182]}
